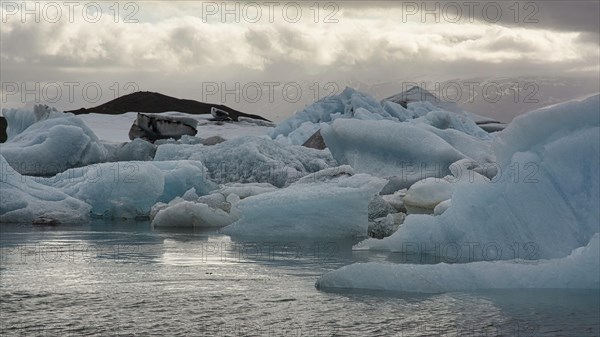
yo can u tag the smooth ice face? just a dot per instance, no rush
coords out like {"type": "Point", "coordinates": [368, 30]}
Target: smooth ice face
{"type": "Point", "coordinates": [251, 159]}
{"type": "Point", "coordinates": [543, 201]}
{"type": "Point", "coordinates": [46, 142]}
{"type": "Point", "coordinates": [24, 200]}
{"type": "Point", "coordinates": [540, 127]}
{"type": "Point", "coordinates": [581, 269]}
{"type": "Point", "coordinates": [129, 189]}
{"type": "Point", "coordinates": [333, 209]}
{"type": "Point", "coordinates": [470, 146]}
{"type": "Point", "coordinates": [385, 148]}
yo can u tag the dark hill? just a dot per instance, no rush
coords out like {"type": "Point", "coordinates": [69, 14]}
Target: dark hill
{"type": "Point", "coordinates": [153, 102]}
{"type": "Point", "coordinates": [3, 129]}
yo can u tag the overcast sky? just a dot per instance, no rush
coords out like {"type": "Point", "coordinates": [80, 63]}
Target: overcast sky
{"type": "Point", "coordinates": [184, 48]}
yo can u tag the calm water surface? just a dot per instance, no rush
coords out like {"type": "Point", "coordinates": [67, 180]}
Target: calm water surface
{"type": "Point", "coordinates": [124, 279]}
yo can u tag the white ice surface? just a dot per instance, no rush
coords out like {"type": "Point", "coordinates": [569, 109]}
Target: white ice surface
{"type": "Point", "coordinates": [580, 269]}
{"type": "Point", "coordinates": [334, 209]}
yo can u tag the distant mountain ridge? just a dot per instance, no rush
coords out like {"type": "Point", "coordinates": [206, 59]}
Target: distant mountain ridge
{"type": "Point", "coordinates": [418, 94]}
{"type": "Point", "coordinates": [154, 102]}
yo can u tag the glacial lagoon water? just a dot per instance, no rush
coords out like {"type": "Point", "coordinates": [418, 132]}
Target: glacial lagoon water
{"type": "Point", "coordinates": [125, 278]}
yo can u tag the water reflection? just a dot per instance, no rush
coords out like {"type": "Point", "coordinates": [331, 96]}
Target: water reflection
{"type": "Point", "coordinates": [111, 277]}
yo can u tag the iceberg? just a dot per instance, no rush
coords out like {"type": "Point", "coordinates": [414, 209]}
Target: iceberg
{"type": "Point", "coordinates": [336, 208]}
{"type": "Point", "coordinates": [24, 200]}
{"type": "Point", "coordinates": [423, 196]}
{"type": "Point", "coordinates": [396, 200]}
{"type": "Point", "coordinates": [246, 190]}
{"type": "Point", "coordinates": [251, 160]}
{"type": "Point", "coordinates": [456, 127]}
{"type": "Point", "coordinates": [45, 142]}
{"type": "Point", "coordinates": [398, 111]}
{"type": "Point", "coordinates": [300, 135]}
{"type": "Point", "coordinates": [543, 199]}
{"type": "Point", "coordinates": [379, 208]}
{"type": "Point", "coordinates": [183, 213]}
{"type": "Point", "coordinates": [152, 127]}
{"type": "Point", "coordinates": [579, 270]}
{"type": "Point", "coordinates": [136, 150]}
{"type": "Point", "coordinates": [129, 189]}
{"type": "Point", "coordinates": [443, 120]}
{"type": "Point", "coordinates": [442, 207]}
{"type": "Point", "coordinates": [214, 210]}
{"type": "Point", "coordinates": [385, 149]}
{"type": "Point", "coordinates": [477, 149]}
{"type": "Point", "coordinates": [327, 175]}
{"type": "Point", "coordinates": [219, 114]}
{"type": "Point", "coordinates": [385, 226]}
{"type": "Point", "coordinates": [20, 119]}
{"type": "Point", "coordinates": [328, 109]}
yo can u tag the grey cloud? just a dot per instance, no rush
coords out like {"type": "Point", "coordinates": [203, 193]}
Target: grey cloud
{"type": "Point", "coordinates": [571, 15]}
{"type": "Point", "coordinates": [259, 39]}
{"type": "Point", "coordinates": [510, 43]}
{"type": "Point", "coordinates": [587, 37]}
{"type": "Point", "coordinates": [564, 15]}
{"type": "Point", "coordinates": [359, 58]}
{"type": "Point", "coordinates": [293, 38]}
{"type": "Point", "coordinates": [188, 45]}
{"type": "Point", "coordinates": [21, 41]}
